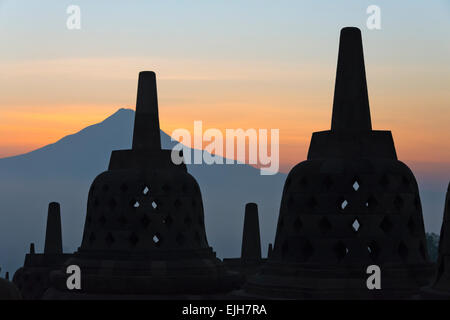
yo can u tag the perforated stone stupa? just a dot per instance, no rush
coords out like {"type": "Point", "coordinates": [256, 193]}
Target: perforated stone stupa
{"type": "Point", "coordinates": [144, 233]}
{"type": "Point", "coordinates": [351, 204]}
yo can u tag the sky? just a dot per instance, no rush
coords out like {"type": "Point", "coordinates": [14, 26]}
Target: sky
{"type": "Point", "coordinates": [232, 64]}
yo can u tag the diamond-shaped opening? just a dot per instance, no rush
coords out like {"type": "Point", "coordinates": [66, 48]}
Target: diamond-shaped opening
{"type": "Point", "coordinates": [341, 250]}
{"type": "Point", "coordinates": [154, 205]}
{"type": "Point", "coordinates": [307, 250]}
{"type": "Point", "coordinates": [412, 226]}
{"type": "Point", "coordinates": [398, 202]}
{"type": "Point", "coordinates": [290, 201]}
{"type": "Point", "coordinates": [312, 202]}
{"type": "Point", "coordinates": [356, 225]}
{"type": "Point", "coordinates": [112, 203]}
{"type": "Point", "coordinates": [123, 187]}
{"type": "Point", "coordinates": [180, 239]}
{"type": "Point", "coordinates": [324, 225]}
{"type": "Point", "coordinates": [303, 182]}
{"type": "Point", "coordinates": [403, 250]}
{"type": "Point", "coordinates": [355, 185]}
{"type": "Point", "coordinates": [145, 191]}
{"type": "Point", "coordinates": [109, 239]}
{"type": "Point", "coordinates": [135, 204]}
{"type": "Point", "coordinates": [102, 220]}
{"type": "Point", "coordinates": [371, 203]}
{"type": "Point", "coordinates": [384, 181]}
{"type": "Point", "coordinates": [122, 220]}
{"type": "Point", "coordinates": [197, 237]}
{"type": "Point", "coordinates": [328, 182]}
{"type": "Point", "coordinates": [145, 221]}
{"type": "Point", "coordinates": [343, 204]}
{"type": "Point", "coordinates": [92, 238]}
{"type": "Point", "coordinates": [167, 221]}
{"type": "Point", "coordinates": [166, 188]}
{"type": "Point", "coordinates": [297, 224]}
{"type": "Point", "coordinates": [187, 221]}
{"type": "Point", "coordinates": [134, 239]}
{"type": "Point", "coordinates": [405, 181]}
{"type": "Point", "coordinates": [373, 250]}
{"type": "Point", "coordinates": [157, 239]}
{"type": "Point", "coordinates": [386, 225]}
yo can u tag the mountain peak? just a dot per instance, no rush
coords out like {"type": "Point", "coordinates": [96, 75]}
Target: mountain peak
{"type": "Point", "coordinates": [122, 113]}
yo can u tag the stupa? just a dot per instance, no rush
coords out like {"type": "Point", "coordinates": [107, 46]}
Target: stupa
{"type": "Point", "coordinates": [440, 288]}
{"type": "Point", "coordinates": [33, 278]}
{"type": "Point", "coordinates": [251, 259]}
{"type": "Point", "coordinates": [144, 234]}
{"type": "Point", "coordinates": [350, 205]}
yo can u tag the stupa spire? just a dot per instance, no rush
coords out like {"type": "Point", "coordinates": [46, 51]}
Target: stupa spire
{"type": "Point", "coordinates": [251, 242]}
{"type": "Point", "coordinates": [351, 103]}
{"type": "Point", "coordinates": [53, 236]}
{"type": "Point", "coordinates": [146, 133]}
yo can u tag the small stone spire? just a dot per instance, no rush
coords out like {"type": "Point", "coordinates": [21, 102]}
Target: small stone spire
{"type": "Point", "coordinates": [251, 242]}
{"type": "Point", "coordinates": [53, 236]}
{"type": "Point", "coordinates": [32, 251]}
{"type": "Point", "coordinates": [442, 280]}
{"type": "Point", "coordinates": [351, 111]}
{"type": "Point", "coordinates": [146, 133]}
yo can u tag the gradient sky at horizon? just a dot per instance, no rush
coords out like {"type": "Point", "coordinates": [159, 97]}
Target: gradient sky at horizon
{"type": "Point", "coordinates": [232, 64]}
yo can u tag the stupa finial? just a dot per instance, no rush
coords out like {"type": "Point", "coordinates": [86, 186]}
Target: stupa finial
{"type": "Point", "coordinates": [146, 133]}
{"type": "Point", "coordinates": [351, 103]}
{"type": "Point", "coordinates": [251, 241]}
{"type": "Point", "coordinates": [53, 236]}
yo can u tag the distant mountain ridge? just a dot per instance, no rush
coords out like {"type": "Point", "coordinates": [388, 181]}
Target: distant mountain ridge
{"type": "Point", "coordinates": [64, 170]}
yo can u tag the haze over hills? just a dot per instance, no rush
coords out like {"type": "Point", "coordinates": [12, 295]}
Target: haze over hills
{"type": "Point", "coordinates": [63, 172]}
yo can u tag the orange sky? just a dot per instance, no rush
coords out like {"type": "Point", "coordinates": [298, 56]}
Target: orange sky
{"type": "Point", "coordinates": [296, 99]}
{"type": "Point", "coordinates": [230, 64]}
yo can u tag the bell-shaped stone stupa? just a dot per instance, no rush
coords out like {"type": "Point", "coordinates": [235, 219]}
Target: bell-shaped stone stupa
{"type": "Point", "coordinates": [350, 205]}
{"type": "Point", "coordinates": [144, 233]}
